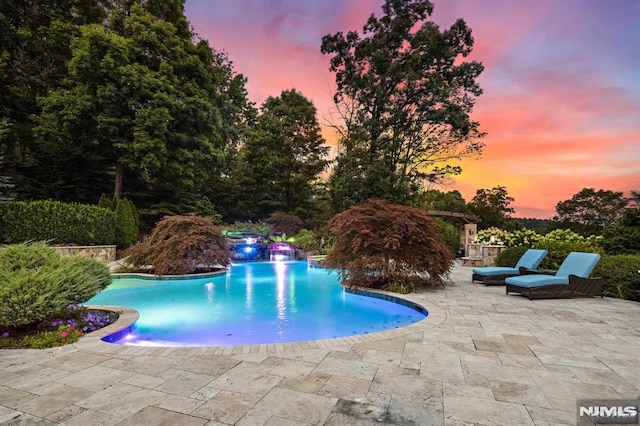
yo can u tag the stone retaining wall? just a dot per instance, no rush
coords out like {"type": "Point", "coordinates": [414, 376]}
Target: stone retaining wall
{"type": "Point", "coordinates": [104, 253]}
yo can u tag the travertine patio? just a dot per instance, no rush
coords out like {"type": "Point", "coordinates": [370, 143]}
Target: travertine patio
{"type": "Point", "coordinates": [481, 357]}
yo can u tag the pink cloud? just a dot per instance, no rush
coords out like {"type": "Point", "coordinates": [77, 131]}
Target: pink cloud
{"type": "Point", "coordinates": [561, 95]}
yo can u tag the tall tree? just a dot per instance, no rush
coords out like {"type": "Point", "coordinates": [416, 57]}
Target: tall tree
{"type": "Point", "coordinates": [35, 47]}
{"type": "Point", "coordinates": [624, 237]}
{"type": "Point", "coordinates": [492, 206]}
{"type": "Point", "coordinates": [282, 159]}
{"type": "Point", "coordinates": [405, 95]}
{"type": "Point", "coordinates": [451, 201]}
{"type": "Point", "coordinates": [143, 103]}
{"type": "Point", "coordinates": [594, 210]}
{"type": "Point", "coordinates": [634, 199]}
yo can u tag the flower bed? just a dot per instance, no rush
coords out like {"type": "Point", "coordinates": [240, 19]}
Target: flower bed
{"type": "Point", "coordinates": [61, 329]}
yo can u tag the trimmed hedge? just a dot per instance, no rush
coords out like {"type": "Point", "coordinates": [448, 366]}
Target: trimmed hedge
{"type": "Point", "coordinates": [57, 222]}
{"type": "Point", "coordinates": [36, 282]}
{"type": "Point", "coordinates": [559, 250]}
{"type": "Point", "coordinates": [621, 276]}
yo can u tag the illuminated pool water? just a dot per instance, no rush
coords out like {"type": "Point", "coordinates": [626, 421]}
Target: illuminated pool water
{"type": "Point", "coordinates": [254, 303]}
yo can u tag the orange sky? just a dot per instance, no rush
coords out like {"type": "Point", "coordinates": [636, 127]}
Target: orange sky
{"type": "Point", "coordinates": [561, 102]}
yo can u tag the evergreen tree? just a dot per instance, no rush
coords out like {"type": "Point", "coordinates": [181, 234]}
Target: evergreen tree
{"type": "Point", "coordinates": [6, 187]}
{"type": "Point", "coordinates": [116, 96]}
{"type": "Point", "coordinates": [126, 229]}
{"type": "Point", "coordinates": [35, 41]}
{"type": "Point", "coordinates": [282, 159]}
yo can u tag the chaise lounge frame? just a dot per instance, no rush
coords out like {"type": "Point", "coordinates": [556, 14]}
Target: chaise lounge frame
{"type": "Point", "coordinates": [499, 279]}
{"type": "Point", "coordinates": [577, 287]}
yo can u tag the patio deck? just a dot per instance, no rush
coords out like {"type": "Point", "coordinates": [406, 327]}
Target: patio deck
{"type": "Point", "coordinates": [480, 358]}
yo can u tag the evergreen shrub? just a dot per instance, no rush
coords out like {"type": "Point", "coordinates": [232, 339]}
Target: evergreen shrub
{"type": "Point", "coordinates": [126, 228]}
{"type": "Point", "coordinates": [57, 222]}
{"type": "Point", "coordinates": [621, 276]}
{"type": "Point", "coordinates": [105, 202]}
{"type": "Point", "coordinates": [35, 282]}
{"type": "Point", "coordinates": [449, 232]}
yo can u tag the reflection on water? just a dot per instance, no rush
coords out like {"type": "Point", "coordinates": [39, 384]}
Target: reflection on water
{"type": "Point", "coordinates": [259, 302]}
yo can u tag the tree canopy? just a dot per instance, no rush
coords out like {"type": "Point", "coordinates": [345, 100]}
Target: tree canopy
{"type": "Point", "coordinates": [404, 95]}
{"type": "Point", "coordinates": [282, 159]}
{"type": "Point", "coordinates": [594, 210]}
{"type": "Point", "coordinates": [124, 99]}
{"type": "Point", "coordinates": [492, 206]}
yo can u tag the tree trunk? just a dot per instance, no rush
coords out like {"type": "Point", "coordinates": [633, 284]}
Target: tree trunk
{"type": "Point", "coordinates": [117, 190]}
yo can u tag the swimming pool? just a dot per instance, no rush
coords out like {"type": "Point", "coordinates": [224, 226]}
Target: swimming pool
{"type": "Point", "coordinates": [254, 303]}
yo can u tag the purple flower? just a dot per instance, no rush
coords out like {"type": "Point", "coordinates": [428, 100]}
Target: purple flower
{"type": "Point", "coordinates": [5, 334]}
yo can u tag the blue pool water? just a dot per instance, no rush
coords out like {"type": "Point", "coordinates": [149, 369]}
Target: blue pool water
{"type": "Point", "coordinates": [254, 303]}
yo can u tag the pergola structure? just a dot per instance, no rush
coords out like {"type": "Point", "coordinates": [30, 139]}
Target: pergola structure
{"type": "Point", "coordinates": [467, 218]}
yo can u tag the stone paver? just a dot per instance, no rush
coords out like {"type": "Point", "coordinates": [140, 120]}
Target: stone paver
{"type": "Point", "coordinates": [480, 358]}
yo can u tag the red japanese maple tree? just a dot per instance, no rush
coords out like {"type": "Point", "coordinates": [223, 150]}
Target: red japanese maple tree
{"type": "Point", "coordinates": [380, 243]}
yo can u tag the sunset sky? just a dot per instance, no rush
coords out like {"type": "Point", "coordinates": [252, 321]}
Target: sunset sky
{"type": "Point", "coordinates": [561, 102]}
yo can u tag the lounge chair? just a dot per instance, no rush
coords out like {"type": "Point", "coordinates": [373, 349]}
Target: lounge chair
{"type": "Point", "coordinates": [495, 275]}
{"type": "Point", "coordinates": [571, 280]}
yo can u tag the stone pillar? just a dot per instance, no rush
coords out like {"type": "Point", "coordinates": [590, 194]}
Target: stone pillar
{"type": "Point", "coordinates": [490, 254]}
{"type": "Point", "coordinates": [468, 236]}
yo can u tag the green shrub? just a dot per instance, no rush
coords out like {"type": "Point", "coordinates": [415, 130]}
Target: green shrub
{"type": "Point", "coordinates": [105, 202]}
{"type": "Point", "coordinates": [44, 282]}
{"type": "Point", "coordinates": [26, 256]}
{"type": "Point", "coordinates": [126, 228]}
{"type": "Point", "coordinates": [57, 222]}
{"type": "Point", "coordinates": [624, 238]}
{"type": "Point", "coordinates": [621, 276]}
{"type": "Point", "coordinates": [63, 335]}
{"type": "Point", "coordinates": [258, 228]}
{"type": "Point", "coordinates": [510, 256]}
{"type": "Point", "coordinates": [559, 250]}
{"type": "Point", "coordinates": [528, 238]}
{"type": "Point", "coordinates": [449, 233]}
{"type": "Point", "coordinates": [307, 241]}
{"type": "Point", "coordinates": [319, 240]}
{"type": "Point", "coordinates": [523, 237]}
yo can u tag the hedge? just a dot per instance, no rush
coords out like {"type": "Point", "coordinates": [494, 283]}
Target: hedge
{"type": "Point", "coordinates": [56, 222]}
{"type": "Point", "coordinates": [559, 250]}
{"type": "Point", "coordinates": [510, 256]}
{"type": "Point", "coordinates": [621, 276]}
